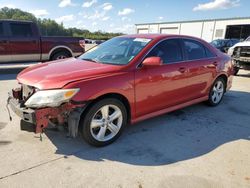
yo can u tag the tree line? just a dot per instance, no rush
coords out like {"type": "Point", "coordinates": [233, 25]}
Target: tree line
{"type": "Point", "coordinates": [49, 27]}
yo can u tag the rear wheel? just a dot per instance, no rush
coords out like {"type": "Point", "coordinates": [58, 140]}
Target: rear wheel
{"type": "Point", "coordinates": [60, 55]}
{"type": "Point", "coordinates": [104, 122]}
{"type": "Point", "coordinates": [216, 92]}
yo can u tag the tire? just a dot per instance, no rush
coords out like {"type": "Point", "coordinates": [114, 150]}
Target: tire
{"type": "Point", "coordinates": [217, 92]}
{"type": "Point", "coordinates": [60, 55]}
{"type": "Point", "coordinates": [236, 70]}
{"type": "Point", "coordinates": [98, 127]}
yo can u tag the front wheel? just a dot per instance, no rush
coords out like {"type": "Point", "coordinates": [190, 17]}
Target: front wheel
{"type": "Point", "coordinates": [216, 92]}
{"type": "Point", "coordinates": [104, 121]}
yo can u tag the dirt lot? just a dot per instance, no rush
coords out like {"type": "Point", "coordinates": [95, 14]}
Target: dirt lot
{"type": "Point", "coordinates": [198, 146]}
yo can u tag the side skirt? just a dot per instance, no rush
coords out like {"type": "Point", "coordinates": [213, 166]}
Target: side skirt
{"type": "Point", "coordinates": [170, 109]}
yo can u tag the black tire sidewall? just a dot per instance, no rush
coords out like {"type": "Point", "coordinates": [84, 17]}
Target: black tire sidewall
{"type": "Point", "coordinates": [210, 101]}
{"type": "Point", "coordinates": [54, 56]}
{"type": "Point", "coordinates": [87, 118]}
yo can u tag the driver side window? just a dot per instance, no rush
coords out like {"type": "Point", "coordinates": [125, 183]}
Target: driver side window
{"type": "Point", "coordinates": [169, 51]}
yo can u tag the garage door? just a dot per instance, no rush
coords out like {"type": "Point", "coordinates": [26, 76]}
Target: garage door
{"type": "Point", "coordinates": [171, 30]}
{"type": "Point", "coordinates": [142, 31]}
{"type": "Point", "coordinates": [237, 31]}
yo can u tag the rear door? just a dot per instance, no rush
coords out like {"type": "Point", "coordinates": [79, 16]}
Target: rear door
{"type": "Point", "coordinates": [24, 42]}
{"type": "Point", "coordinates": [5, 53]}
{"type": "Point", "coordinates": [202, 65]}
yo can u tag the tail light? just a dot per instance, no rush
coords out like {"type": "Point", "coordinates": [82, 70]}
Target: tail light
{"type": "Point", "coordinates": [82, 43]}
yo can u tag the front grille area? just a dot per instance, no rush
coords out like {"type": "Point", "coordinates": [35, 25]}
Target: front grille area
{"type": "Point", "coordinates": [243, 51]}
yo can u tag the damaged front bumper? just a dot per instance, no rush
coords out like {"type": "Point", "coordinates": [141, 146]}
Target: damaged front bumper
{"type": "Point", "coordinates": [67, 113]}
{"type": "Point", "coordinates": [242, 62]}
{"type": "Point", "coordinates": [26, 114]}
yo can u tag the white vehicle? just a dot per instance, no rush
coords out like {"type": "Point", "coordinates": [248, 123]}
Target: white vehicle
{"type": "Point", "coordinates": [240, 54]}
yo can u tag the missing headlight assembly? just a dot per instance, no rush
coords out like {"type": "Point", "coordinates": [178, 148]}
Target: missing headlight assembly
{"type": "Point", "coordinates": [41, 107]}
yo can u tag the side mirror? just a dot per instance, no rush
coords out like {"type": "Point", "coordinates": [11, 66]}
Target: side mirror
{"type": "Point", "coordinates": [152, 61]}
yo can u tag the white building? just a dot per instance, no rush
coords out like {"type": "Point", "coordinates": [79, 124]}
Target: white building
{"type": "Point", "coordinates": [206, 29]}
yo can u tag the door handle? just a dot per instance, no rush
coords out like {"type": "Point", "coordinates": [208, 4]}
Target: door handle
{"type": "Point", "coordinates": [182, 69]}
{"type": "Point", "coordinates": [212, 65]}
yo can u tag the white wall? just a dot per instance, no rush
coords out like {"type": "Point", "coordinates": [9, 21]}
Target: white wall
{"type": "Point", "coordinates": [142, 31]}
{"type": "Point", "coordinates": [192, 29]}
{"type": "Point", "coordinates": [153, 28]}
{"type": "Point", "coordinates": [169, 28]}
{"type": "Point", "coordinates": [207, 30]}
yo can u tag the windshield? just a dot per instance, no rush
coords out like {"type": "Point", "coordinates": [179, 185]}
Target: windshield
{"type": "Point", "coordinates": [117, 51]}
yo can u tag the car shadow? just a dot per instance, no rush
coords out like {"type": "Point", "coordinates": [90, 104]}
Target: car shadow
{"type": "Point", "coordinates": [181, 135]}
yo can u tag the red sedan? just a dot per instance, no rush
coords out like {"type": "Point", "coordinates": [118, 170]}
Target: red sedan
{"type": "Point", "coordinates": [122, 81]}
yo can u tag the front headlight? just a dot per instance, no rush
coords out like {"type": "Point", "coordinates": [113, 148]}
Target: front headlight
{"type": "Point", "coordinates": [50, 98]}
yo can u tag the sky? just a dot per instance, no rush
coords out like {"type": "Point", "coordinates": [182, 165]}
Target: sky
{"type": "Point", "coordinates": [122, 15]}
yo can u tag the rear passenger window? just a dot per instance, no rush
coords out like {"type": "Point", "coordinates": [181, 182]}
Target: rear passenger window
{"type": "Point", "coordinates": [21, 30]}
{"type": "Point", "coordinates": [194, 50]}
{"type": "Point", "coordinates": [209, 53]}
{"type": "Point", "coordinates": [169, 51]}
{"type": "Point", "coordinates": [1, 29]}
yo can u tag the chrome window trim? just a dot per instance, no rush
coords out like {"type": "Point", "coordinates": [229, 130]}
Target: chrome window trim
{"type": "Point", "coordinates": [138, 66]}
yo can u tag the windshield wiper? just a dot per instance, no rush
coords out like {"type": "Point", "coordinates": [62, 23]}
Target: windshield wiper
{"type": "Point", "coordinates": [92, 60]}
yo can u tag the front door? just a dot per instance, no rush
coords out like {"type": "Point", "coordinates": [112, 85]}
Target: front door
{"type": "Point", "coordinates": [159, 87]}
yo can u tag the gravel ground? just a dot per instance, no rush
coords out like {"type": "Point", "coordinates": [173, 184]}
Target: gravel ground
{"type": "Point", "coordinates": [198, 146]}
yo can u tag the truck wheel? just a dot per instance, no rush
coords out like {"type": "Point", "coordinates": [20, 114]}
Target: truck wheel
{"type": "Point", "coordinates": [60, 55]}
{"type": "Point", "coordinates": [236, 70]}
{"type": "Point", "coordinates": [104, 121]}
{"type": "Point", "coordinates": [216, 92]}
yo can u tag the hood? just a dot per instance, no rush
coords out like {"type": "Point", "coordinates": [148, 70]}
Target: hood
{"type": "Point", "coordinates": [231, 49]}
{"type": "Point", "coordinates": [57, 74]}
{"type": "Point", "coordinates": [244, 43]}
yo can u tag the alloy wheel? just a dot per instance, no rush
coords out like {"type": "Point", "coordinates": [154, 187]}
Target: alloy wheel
{"type": "Point", "coordinates": [61, 57]}
{"type": "Point", "coordinates": [218, 91]}
{"type": "Point", "coordinates": [106, 123]}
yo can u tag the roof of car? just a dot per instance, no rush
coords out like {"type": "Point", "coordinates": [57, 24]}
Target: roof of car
{"type": "Point", "coordinates": [148, 36]}
{"type": "Point", "coordinates": [159, 36]}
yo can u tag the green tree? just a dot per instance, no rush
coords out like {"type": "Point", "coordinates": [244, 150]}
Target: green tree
{"type": "Point", "coordinates": [50, 27]}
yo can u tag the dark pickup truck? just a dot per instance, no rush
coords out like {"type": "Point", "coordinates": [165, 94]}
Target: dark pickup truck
{"type": "Point", "coordinates": [21, 41]}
